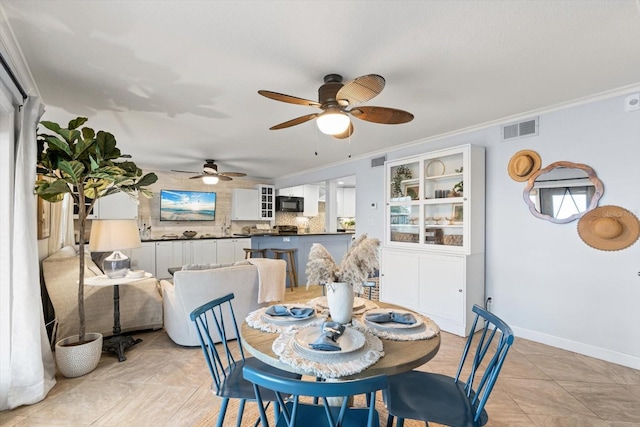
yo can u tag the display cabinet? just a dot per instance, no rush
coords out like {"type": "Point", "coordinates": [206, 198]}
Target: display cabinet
{"type": "Point", "coordinates": [433, 254]}
{"type": "Point", "coordinates": [267, 201]}
{"type": "Point", "coordinates": [436, 201]}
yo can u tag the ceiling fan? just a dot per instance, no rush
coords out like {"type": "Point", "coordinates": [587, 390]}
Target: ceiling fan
{"type": "Point", "coordinates": [338, 100]}
{"type": "Point", "coordinates": [210, 174]}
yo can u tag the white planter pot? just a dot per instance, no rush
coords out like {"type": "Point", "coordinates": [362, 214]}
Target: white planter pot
{"type": "Point", "coordinates": [77, 360]}
{"type": "Point", "coordinates": [340, 300]}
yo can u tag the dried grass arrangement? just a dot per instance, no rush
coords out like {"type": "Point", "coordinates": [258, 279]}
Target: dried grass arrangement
{"type": "Point", "coordinates": [360, 261]}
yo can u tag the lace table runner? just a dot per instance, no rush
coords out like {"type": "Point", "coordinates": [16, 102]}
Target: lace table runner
{"type": "Point", "coordinates": [256, 320]}
{"type": "Point", "coordinates": [326, 364]}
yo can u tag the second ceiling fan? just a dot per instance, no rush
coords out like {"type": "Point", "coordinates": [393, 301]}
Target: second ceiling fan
{"type": "Point", "coordinates": [337, 100]}
{"type": "Point", "coordinates": [210, 174]}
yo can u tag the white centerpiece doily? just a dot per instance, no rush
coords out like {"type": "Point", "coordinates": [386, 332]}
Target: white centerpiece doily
{"type": "Point", "coordinates": [326, 364]}
{"type": "Point", "coordinates": [257, 320]}
{"type": "Point", "coordinates": [425, 330]}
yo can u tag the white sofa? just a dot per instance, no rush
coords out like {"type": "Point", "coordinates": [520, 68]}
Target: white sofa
{"type": "Point", "coordinates": [140, 302]}
{"type": "Point", "coordinates": [189, 289]}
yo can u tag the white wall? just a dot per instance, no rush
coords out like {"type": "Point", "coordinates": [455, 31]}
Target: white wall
{"type": "Point", "coordinates": [544, 281]}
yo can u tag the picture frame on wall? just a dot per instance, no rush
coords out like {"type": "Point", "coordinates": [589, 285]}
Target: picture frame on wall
{"type": "Point", "coordinates": [457, 213]}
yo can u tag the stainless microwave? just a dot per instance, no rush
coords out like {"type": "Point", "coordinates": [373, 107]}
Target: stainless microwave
{"type": "Point", "coordinates": [289, 204]}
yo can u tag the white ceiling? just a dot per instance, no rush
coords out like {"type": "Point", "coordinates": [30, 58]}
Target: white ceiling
{"type": "Point", "coordinates": [176, 81]}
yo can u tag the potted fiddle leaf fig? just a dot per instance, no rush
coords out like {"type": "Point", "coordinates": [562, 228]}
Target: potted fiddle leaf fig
{"type": "Point", "coordinates": [84, 164]}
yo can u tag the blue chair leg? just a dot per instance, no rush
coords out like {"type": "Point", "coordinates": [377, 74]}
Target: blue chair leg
{"type": "Point", "coordinates": [240, 412]}
{"type": "Point", "coordinates": [223, 411]}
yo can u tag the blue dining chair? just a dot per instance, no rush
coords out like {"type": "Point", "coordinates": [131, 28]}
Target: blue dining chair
{"type": "Point", "coordinates": [437, 398]}
{"type": "Point", "coordinates": [303, 413]}
{"type": "Point", "coordinates": [226, 361]}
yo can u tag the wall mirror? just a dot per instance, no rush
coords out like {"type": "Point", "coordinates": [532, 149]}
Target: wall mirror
{"type": "Point", "coordinates": [563, 191]}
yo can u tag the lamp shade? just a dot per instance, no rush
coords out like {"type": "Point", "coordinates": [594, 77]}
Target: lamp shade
{"type": "Point", "coordinates": [114, 234]}
{"type": "Point", "coordinates": [333, 122]}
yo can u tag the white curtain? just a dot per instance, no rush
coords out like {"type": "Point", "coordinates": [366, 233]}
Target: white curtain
{"type": "Point", "coordinates": [32, 369]}
{"type": "Point", "coordinates": [61, 231]}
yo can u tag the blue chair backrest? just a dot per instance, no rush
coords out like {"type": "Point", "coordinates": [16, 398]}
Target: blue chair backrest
{"type": "Point", "coordinates": [285, 387]}
{"type": "Point", "coordinates": [494, 342]}
{"type": "Point", "coordinates": [209, 320]}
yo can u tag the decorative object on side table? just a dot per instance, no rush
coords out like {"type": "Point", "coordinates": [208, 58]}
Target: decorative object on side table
{"type": "Point", "coordinates": [83, 163]}
{"type": "Point", "coordinates": [189, 234]}
{"type": "Point", "coordinates": [358, 264]}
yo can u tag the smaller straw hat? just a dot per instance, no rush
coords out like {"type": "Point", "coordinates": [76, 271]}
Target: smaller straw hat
{"type": "Point", "coordinates": [523, 164]}
{"type": "Point", "coordinates": [609, 228]}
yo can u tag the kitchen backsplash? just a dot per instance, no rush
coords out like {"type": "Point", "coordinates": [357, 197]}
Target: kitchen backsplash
{"type": "Point", "coordinates": [315, 224]}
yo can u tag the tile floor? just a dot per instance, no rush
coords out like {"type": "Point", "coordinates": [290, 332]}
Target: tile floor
{"type": "Point", "coordinates": [163, 384]}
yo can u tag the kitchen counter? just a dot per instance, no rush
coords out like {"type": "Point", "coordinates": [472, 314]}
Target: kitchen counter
{"type": "Point", "coordinates": [236, 236]}
{"type": "Point", "coordinates": [336, 244]}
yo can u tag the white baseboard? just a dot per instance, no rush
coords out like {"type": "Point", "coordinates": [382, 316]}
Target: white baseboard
{"type": "Point", "coordinates": [623, 359]}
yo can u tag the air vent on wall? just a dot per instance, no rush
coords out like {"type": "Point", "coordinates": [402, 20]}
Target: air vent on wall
{"type": "Point", "coordinates": [378, 161]}
{"type": "Point", "coordinates": [520, 129]}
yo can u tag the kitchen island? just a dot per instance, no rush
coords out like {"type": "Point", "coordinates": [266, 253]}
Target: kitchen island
{"type": "Point", "coordinates": [336, 244]}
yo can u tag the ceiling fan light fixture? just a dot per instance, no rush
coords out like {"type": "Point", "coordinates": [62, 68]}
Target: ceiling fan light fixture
{"type": "Point", "coordinates": [210, 180]}
{"type": "Point", "coordinates": [333, 122]}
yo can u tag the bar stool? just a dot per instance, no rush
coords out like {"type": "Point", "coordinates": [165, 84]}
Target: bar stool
{"type": "Point", "coordinates": [253, 253]}
{"type": "Point", "coordinates": [289, 256]}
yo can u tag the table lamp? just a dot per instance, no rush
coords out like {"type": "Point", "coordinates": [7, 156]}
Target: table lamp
{"type": "Point", "coordinates": [114, 235]}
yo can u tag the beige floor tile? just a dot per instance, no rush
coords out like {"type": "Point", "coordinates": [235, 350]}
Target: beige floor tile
{"type": "Point", "coordinates": [162, 384]}
{"type": "Point", "coordinates": [542, 397]}
{"type": "Point", "coordinates": [611, 402]}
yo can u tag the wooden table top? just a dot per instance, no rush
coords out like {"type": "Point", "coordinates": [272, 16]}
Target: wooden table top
{"type": "Point", "coordinates": [399, 356]}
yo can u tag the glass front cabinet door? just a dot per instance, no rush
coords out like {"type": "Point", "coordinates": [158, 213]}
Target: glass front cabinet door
{"type": "Point", "coordinates": [435, 201]}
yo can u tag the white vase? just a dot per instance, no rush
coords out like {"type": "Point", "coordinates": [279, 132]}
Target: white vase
{"type": "Point", "coordinates": [340, 300]}
{"type": "Point", "coordinates": [75, 360]}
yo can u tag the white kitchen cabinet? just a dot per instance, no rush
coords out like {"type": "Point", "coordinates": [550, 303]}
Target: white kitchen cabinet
{"type": "Point", "coordinates": [311, 195]}
{"type": "Point", "coordinates": [245, 203]}
{"type": "Point", "coordinates": [297, 191]}
{"type": "Point", "coordinates": [199, 251]}
{"type": "Point", "coordinates": [435, 225]}
{"type": "Point", "coordinates": [168, 254]}
{"type": "Point", "coordinates": [117, 206]}
{"type": "Point", "coordinates": [143, 258]}
{"type": "Point", "coordinates": [231, 250]}
{"type": "Point", "coordinates": [114, 206]}
{"type": "Point", "coordinates": [346, 202]}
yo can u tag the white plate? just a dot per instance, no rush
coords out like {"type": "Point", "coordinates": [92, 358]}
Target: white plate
{"type": "Point", "coordinates": [351, 340]}
{"type": "Point", "coordinates": [358, 303]}
{"type": "Point", "coordinates": [388, 326]}
{"type": "Point", "coordinates": [287, 319]}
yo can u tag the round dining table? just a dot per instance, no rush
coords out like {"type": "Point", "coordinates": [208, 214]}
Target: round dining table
{"type": "Point", "coordinates": [399, 356]}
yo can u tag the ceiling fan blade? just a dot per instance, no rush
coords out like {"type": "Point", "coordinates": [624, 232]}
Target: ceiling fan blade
{"type": "Point", "coordinates": [224, 178]}
{"type": "Point", "coordinates": [360, 89]}
{"type": "Point", "coordinates": [346, 134]}
{"type": "Point", "coordinates": [296, 121]}
{"type": "Point", "coordinates": [384, 115]}
{"type": "Point", "coordinates": [234, 174]}
{"type": "Point", "coordinates": [288, 98]}
{"type": "Point", "coordinates": [196, 177]}
{"type": "Point", "coordinates": [173, 170]}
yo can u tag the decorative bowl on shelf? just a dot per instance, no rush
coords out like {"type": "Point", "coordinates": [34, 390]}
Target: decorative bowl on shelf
{"type": "Point", "coordinates": [189, 234]}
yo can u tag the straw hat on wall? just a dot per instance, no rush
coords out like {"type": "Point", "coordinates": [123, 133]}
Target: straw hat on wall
{"type": "Point", "coordinates": [609, 228]}
{"type": "Point", "coordinates": [523, 164]}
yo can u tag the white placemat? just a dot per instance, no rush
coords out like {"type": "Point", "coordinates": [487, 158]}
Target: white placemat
{"type": "Point", "coordinates": [325, 364]}
{"type": "Point", "coordinates": [428, 329]}
{"type": "Point", "coordinates": [320, 304]}
{"type": "Point", "coordinates": [256, 320]}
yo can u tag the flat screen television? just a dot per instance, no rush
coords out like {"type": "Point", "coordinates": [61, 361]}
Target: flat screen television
{"type": "Point", "coordinates": [182, 205]}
